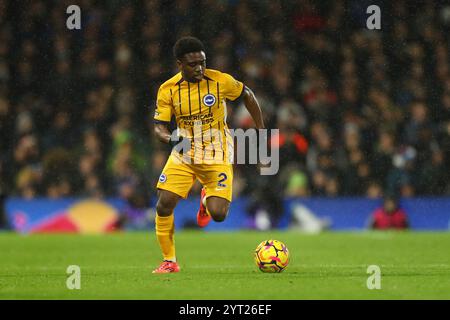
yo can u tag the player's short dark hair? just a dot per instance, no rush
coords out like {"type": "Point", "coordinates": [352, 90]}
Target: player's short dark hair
{"type": "Point", "coordinates": [187, 45]}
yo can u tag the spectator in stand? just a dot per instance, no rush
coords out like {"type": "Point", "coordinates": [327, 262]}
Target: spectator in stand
{"type": "Point", "coordinates": [356, 111]}
{"type": "Point", "coordinates": [389, 216]}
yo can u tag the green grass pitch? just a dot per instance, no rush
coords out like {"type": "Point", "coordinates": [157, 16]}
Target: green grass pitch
{"type": "Point", "coordinates": [220, 266]}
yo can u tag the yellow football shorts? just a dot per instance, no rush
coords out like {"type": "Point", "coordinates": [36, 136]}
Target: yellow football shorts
{"type": "Point", "coordinates": [178, 177]}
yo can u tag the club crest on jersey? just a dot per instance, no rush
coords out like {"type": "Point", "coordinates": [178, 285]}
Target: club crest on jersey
{"type": "Point", "coordinates": [162, 178]}
{"type": "Point", "coordinates": [209, 100]}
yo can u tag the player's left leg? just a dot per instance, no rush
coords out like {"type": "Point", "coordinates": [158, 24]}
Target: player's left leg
{"type": "Point", "coordinates": [203, 217]}
{"type": "Point", "coordinates": [218, 208]}
{"type": "Point", "coordinates": [217, 181]}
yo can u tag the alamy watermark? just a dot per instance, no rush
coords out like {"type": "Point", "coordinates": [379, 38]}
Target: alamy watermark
{"type": "Point", "coordinates": [374, 280]}
{"type": "Point", "coordinates": [374, 20]}
{"type": "Point", "coordinates": [74, 20]}
{"type": "Point", "coordinates": [73, 281]}
{"type": "Point", "coordinates": [209, 146]}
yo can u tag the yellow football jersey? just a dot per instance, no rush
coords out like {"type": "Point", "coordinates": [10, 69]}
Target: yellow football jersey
{"type": "Point", "coordinates": [200, 111]}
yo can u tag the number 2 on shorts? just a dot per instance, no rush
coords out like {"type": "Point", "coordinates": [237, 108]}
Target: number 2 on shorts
{"type": "Point", "coordinates": [224, 177]}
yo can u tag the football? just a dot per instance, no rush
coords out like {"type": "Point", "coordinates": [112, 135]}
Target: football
{"type": "Point", "coordinates": [271, 256]}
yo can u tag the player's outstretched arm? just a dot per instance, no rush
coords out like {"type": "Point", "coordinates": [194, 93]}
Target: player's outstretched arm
{"type": "Point", "coordinates": [253, 108]}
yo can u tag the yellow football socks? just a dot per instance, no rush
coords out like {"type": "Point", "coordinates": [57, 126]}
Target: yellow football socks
{"type": "Point", "coordinates": [164, 232]}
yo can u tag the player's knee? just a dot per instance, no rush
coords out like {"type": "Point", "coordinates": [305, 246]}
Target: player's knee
{"type": "Point", "coordinates": [218, 213]}
{"type": "Point", "coordinates": [164, 208]}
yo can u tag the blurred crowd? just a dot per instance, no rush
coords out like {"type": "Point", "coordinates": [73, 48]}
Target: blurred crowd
{"type": "Point", "coordinates": [361, 112]}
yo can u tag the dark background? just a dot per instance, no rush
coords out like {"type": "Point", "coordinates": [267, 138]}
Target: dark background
{"type": "Point", "coordinates": [360, 112]}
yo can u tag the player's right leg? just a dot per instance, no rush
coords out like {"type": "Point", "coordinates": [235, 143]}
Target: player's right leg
{"type": "Point", "coordinates": [164, 225]}
{"type": "Point", "coordinates": [174, 183]}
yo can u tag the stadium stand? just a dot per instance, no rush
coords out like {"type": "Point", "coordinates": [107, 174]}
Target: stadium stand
{"type": "Point", "coordinates": [360, 112]}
